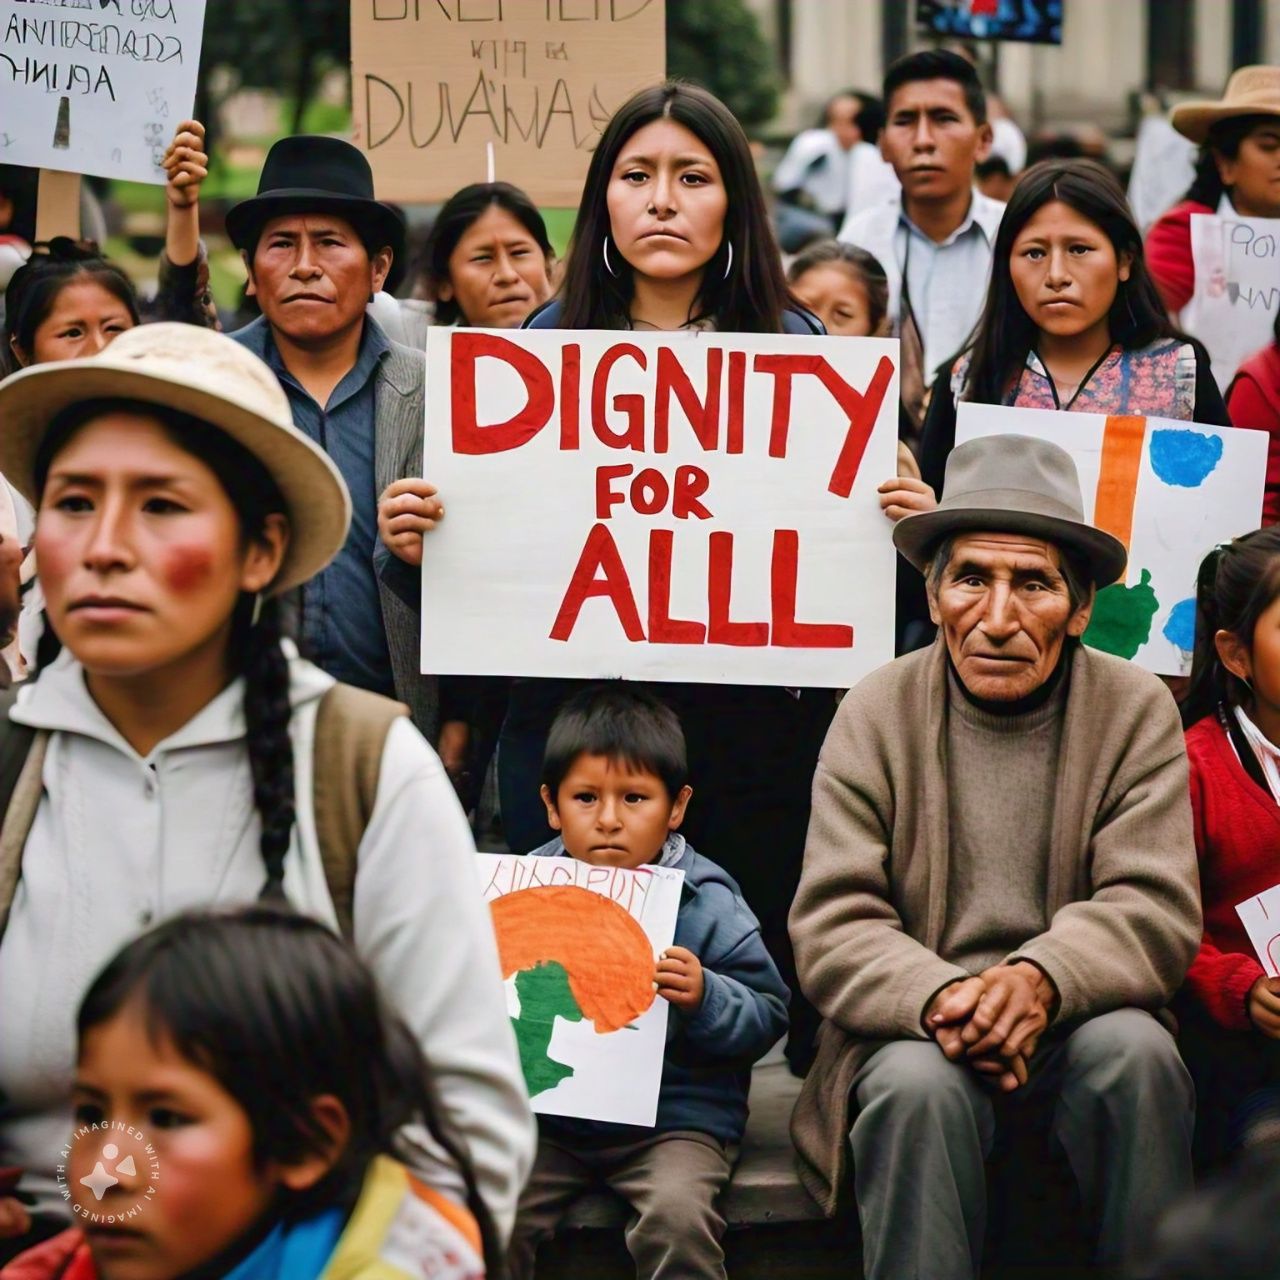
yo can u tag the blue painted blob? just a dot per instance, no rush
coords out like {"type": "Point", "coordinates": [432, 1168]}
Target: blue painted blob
{"type": "Point", "coordinates": [1184, 458]}
{"type": "Point", "coordinates": [1180, 630]}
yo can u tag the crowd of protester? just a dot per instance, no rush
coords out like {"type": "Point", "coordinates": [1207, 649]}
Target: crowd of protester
{"type": "Point", "coordinates": [995, 879]}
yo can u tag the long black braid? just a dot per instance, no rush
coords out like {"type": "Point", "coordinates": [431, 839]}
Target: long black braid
{"type": "Point", "coordinates": [266, 715]}
{"type": "Point", "coordinates": [254, 650]}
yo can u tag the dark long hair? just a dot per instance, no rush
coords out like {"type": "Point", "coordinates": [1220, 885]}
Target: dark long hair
{"type": "Point", "coordinates": [34, 288]}
{"type": "Point", "coordinates": [1005, 334]}
{"type": "Point", "coordinates": [864, 266]}
{"type": "Point", "coordinates": [1237, 583]}
{"type": "Point", "coordinates": [753, 296]}
{"type": "Point", "coordinates": [254, 651]}
{"type": "Point", "coordinates": [280, 1011]}
{"type": "Point", "coordinates": [1223, 141]}
{"type": "Point", "coordinates": [460, 212]}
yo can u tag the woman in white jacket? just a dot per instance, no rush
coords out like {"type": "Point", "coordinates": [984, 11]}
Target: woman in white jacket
{"type": "Point", "coordinates": [175, 737]}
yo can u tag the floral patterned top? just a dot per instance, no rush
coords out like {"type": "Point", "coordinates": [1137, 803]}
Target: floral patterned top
{"type": "Point", "coordinates": [1158, 381]}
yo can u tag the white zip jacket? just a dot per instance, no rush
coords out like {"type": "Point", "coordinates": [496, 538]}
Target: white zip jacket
{"type": "Point", "coordinates": [120, 841]}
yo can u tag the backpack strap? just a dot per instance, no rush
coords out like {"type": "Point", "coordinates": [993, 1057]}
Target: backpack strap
{"type": "Point", "coordinates": [351, 731]}
{"type": "Point", "coordinates": [22, 752]}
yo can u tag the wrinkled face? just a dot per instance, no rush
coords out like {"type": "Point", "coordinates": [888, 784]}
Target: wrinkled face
{"type": "Point", "coordinates": [313, 277]}
{"type": "Point", "coordinates": [1254, 175]}
{"type": "Point", "coordinates": [1005, 611]}
{"type": "Point", "coordinates": [842, 120]}
{"type": "Point", "coordinates": [195, 1156]}
{"type": "Point", "coordinates": [497, 272]}
{"type": "Point", "coordinates": [1065, 271]}
{"type": "Point", "coordinates": [140, 550]}
{"type": "Point", "coordinates": [667, 202]}
{"type": "Point", "coordinates": [932, 140]}
{"type": "Point", "coordinates": [85, 317]}
{"type": "Point", "coordinates": [612, 815]}
{"type": "Point", "coordinates": [837, 297]}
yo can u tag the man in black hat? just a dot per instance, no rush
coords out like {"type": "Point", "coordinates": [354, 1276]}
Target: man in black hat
{"type": "Point", "coordinates": [999, 890]}
{"type": "Point", "coordinates": [317, 247]}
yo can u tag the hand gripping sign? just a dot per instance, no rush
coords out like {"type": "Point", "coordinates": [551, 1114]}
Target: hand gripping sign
{"type": "Point", "coordinates": [660, 506]}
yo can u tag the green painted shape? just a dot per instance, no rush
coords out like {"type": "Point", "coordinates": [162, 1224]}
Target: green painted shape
{"type": "Point", "coordinates": [544, 996]}
{"type": "Point", "coordinates": [1122, 617]}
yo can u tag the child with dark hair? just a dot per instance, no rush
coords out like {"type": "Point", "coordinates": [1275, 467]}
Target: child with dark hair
{"type": "Point", "coordinates": [245, 1103]}
{"type": "Point", "coordinates": [615, 788]}
{"type": "Point", "coordinates": [1231, 1029]}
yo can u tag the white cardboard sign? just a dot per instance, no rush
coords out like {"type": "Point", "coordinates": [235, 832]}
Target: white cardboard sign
{"type": "Point", "coordinates": [579, 947]}
{"type": "Point", "coordinates": [652, 506]}
{"type": "Point", "coordinates": [96, 86]}
{"type": "Point", "coordinates": [1237, 290]}
{"type": "Point", "coordinates": [1170, 491]}
{"type": "Point", "coordinates": [1260, 916]}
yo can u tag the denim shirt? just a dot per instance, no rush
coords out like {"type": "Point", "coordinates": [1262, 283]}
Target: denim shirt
{"type": "Point", "coordinates": [342, 629]}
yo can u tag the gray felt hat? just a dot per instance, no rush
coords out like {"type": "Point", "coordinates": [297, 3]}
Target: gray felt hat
{"type": "Point", "coordinates": [1012, 484]}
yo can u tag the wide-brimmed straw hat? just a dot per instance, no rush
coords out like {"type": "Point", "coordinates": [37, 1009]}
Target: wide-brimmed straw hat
{"type": "Point", "coordinates": [209, 376]}
{"type": "Point", "coordinates": [1012, 484]}
{"type": "Point", "coordinates": [1251, 91]}
{"type": "Point", "coordinates": [311, 174]}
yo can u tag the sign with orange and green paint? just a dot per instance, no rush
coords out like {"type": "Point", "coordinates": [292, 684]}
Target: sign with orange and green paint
{"type": "Point", "coordinates": [1170, 491]}
{"type": "Point", "coordinates": [578, 946]}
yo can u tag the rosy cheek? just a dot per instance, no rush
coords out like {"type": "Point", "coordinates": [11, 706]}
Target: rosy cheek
{"type": "Point", "coordinates": [186, 568]}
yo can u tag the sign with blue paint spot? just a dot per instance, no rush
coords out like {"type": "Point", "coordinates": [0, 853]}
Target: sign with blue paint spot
{"type": "Point", "coordinates": [1170, 491]}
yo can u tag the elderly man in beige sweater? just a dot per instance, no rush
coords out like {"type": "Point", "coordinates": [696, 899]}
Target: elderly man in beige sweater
{"type": "Point", "coordinates": [999, 890]}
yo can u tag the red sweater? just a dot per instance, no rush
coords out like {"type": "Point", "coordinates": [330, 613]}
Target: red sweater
{"type": "Point", "coordinates": [1237, 830]}
{"type": "Point", "coordinates": [1168, 253]}
{"type": "Point", "coordinates": [1253, 400]}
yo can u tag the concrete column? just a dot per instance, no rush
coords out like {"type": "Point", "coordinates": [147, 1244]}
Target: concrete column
{"type": "Point", "coordinates": [1212, 44]}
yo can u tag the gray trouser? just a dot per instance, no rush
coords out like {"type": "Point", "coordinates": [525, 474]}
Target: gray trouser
{"type": "Point", "coordinates": [1123, 1109]}
{"type": "Point", "coordinates": [672, 1181]}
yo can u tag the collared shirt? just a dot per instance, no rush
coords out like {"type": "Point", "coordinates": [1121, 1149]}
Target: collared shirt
{"type": "Point", "coordinates": [1267, 752]}
{"type": "Point", "coordinates": [947, 282]}
{"type": "Point", "coordinates": [342, 629]}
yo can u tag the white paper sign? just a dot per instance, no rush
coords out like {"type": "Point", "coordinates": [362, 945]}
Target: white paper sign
{"type": "Point", "coordinates": [1170, 491]}
{"type": "Point", "coordinates": [1261, 918]}
{"type": "Point", "coordinates": [96, 86]}
{"type": "Point", "coordinates": [1237, 291]}
{"type": "Point", "coordinates": [660, 506]}
{"type": "Point", "coordinates": [579, 945]}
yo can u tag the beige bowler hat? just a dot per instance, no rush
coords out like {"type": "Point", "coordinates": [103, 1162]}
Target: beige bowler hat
{"type": "Point", "coordinates": [208, 376]}
{"type": "Point", "coordinates": [1251, 91]}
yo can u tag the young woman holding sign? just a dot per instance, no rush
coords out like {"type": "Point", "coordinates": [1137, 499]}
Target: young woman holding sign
{"type": "Point", "coordinates": [1238, 172]}
{"type": "Point", "coordinates": [1072, 319]}
{"type": "Point", "coordinates": [672, 234]}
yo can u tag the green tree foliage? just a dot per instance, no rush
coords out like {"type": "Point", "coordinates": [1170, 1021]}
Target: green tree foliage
{"type": "Point", "coordinates": [719, 44]}
{"type": "Point", "coordinates": [285, 45]}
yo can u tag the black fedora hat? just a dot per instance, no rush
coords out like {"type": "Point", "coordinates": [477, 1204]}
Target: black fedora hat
{"type": "Point", "coordinates": [311, 173]}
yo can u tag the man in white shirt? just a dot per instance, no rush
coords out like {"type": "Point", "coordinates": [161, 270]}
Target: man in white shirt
{"type": "Point", "coordinates": [833, 169]}
{"type": "Point", "coordinates": [934, 240]}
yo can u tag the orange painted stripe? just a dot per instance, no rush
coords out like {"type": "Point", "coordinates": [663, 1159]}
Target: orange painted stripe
{"type": "Point", "coordinates": [1122, 441]}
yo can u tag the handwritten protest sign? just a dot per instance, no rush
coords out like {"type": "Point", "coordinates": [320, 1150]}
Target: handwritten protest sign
{"type": "Point", "coordinates": [1170, 491]}
{"type": "Point", "coordinates": [434, 82]}
{"type": "Point", "coordinates": [660, 506]}
{"type": "Point", "coordinates": [96, 86]}
{"type": "Point", "coordinates": [1237, 293]}
{"type": "Point", "coordinates": [1260, 916]}
{"type": "Point", "coordinates": [578, 946]}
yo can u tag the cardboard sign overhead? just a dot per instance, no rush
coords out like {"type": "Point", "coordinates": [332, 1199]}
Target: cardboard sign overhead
{"type": "Point", "coordinates": [660, 506]}
{"type": "Point", "coordinates": [96, 86]}
{"type": "Point", "coordinates": [435, 83]}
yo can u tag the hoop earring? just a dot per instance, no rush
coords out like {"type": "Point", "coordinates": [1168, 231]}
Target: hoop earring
{"type": "Point", "coordinates": [256, 616]}
{"type": "Point", "coordinates": [728, 266]}
{"type": "Point", "coordinates": [608, 266]}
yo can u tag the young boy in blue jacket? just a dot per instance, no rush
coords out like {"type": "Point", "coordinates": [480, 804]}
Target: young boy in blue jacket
{"type": "Point", "coordinates": [615, 786]}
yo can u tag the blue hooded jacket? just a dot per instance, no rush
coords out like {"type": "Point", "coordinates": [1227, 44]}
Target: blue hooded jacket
{"type": "Point", "coordinates": [706, 1071]}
